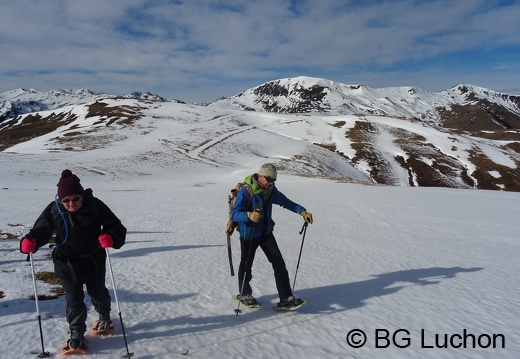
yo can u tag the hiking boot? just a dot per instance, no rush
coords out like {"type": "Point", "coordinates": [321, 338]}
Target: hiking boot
{"type": "Point", "coordinates": [77, 339]}
{"type": "Point", "coordinates": [103, 323]}
{"type": "Point", "coordinates": [290, 302]}
{"type": "Point", "coordinates": [248, 300]}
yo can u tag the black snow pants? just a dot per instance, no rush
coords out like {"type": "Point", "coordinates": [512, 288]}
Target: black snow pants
{"type": "Point", "coordinates": [274, 256]}
{"type": "Point", "coordinates": [73, 274]}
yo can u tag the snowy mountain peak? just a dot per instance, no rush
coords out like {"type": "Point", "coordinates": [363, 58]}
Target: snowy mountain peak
{"type": "Point", "coordinates": [146, 96]}
{"type": "Point", "coordinates": [305, 94]}
{"type": "Point", "coordinates": [467, 94]}
{"type": "Point", "coordinates": [21, 101]}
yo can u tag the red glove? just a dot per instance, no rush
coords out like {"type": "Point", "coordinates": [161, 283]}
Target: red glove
{"type": "Point", "coordinates": [106, 240]}
{"type": "Point", "coordinates": [28, 245]}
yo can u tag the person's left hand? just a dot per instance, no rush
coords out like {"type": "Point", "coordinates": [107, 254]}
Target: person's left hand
{"type": "Point", "coordinates": [106, 240]}
{"type": "Point", "coordinates": [307, 216]}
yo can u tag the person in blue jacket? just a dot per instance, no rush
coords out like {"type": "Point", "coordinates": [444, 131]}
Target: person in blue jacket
{"type": "Point", "coordinates": [253, 213]}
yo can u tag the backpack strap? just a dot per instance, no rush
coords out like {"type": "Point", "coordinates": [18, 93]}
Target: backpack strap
{"type": "Point", "coordinates": [250, 192]}
{"type": "Point", "coordinates": [235, 191]}
{"type": "Point", "coordinates": [231, 226]}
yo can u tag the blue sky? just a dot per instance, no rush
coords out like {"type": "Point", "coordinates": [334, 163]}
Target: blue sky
{"type": "Point", "coordinates": [199, 50]}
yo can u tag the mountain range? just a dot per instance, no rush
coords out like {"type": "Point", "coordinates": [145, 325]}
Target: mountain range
{"type": "Point", "coordinates": [462, 137]}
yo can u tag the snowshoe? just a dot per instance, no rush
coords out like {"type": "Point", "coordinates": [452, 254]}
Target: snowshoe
{"type": "Point", "coordinates": [75, 345]}
{"type": "Point", "coordinates": [103, 327]}
{"type": "Point", "coordinates": [291, 303]}
{"type": "Point", "coordinates": [247, 301]}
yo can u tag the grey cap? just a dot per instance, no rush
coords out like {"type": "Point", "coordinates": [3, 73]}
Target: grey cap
{"type": "Point", "coordinates": [267, 170]}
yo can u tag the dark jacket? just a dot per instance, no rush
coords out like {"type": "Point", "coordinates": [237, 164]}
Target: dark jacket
{"type": "Point", "coordinates": [77, 232]}
{"type": "Point", "coordinates": [263, 200]}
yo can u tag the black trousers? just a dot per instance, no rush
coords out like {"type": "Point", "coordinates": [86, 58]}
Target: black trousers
{"type": "Point", "coordinates": [72, 282]}
{"type": "Point", "coordinates": [274, 256]}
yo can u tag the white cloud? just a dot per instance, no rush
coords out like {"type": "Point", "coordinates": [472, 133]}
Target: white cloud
{"type": "Point", "coordinates": [125, 45]}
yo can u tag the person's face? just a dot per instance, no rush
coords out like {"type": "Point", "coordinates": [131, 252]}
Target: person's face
{"type": "Point", "coordinates": [72, 203]}
{"type": "Point", "coordinates": [265, 182]}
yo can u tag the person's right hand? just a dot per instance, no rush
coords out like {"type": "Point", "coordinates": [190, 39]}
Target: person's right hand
{"type": "Point", "coordinates": [254, 216]}
{"type": "Point", "coordinates": [28, 245]}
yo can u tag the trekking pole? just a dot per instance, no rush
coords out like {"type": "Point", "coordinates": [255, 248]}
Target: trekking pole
{"type": "Point", "coordinates": [246, 264]}
{"type": "Point", "coordinates": [43, 354]}
{"type": "Point", "coordinates": [128, 354]}
{"type": "Point", "coordinates": [304, 231]}
{"type": "Point", "coordinates": [230, 255]}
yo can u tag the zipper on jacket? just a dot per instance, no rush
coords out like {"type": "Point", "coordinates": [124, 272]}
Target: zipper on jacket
{"type": "Point", "coordinates": [70, 219]}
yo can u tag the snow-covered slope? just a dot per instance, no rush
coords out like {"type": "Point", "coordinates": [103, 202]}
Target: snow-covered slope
{"type": "Point", "coordinates": [433, 270]}
{"type": "Point", "coordinates": [392, 136]}
{"type": "Point", "coordinates": [436, 267]}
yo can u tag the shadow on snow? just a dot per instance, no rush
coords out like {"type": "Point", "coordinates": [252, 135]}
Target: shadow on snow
{"type": "Point", "coordinates": [354, 295]}
{"type": "Point", "coordinates": [323, 300]}
{"type": "Point", "coordinates": [139, 252]}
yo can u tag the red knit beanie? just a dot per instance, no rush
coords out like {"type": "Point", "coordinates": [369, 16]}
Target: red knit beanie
{"type": "Point", "coordinates": [69, 185]}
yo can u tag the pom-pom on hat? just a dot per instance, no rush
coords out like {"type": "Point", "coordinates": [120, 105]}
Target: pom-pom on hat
{"type": "Point", "coordinates": [267, 170]}
{"type": "Point", "coordinates": [69, 185]}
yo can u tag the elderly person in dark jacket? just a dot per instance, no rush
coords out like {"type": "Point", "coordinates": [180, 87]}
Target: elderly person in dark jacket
{"type": "Point", "coordinates": [84, 227]}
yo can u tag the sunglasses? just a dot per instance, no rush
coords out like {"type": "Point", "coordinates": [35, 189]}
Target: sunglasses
{"type": "Point", "coordinates": [68, 200]}
{"type": "Point", "coordinates": [270, 180]}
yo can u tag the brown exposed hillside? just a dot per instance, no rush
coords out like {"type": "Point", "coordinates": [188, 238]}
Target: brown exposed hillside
{"type": "Point", "coordinates": [24, 128]}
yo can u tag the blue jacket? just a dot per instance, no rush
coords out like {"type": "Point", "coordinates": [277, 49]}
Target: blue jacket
{"type": "Point", "coordinates": [263, 199]}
